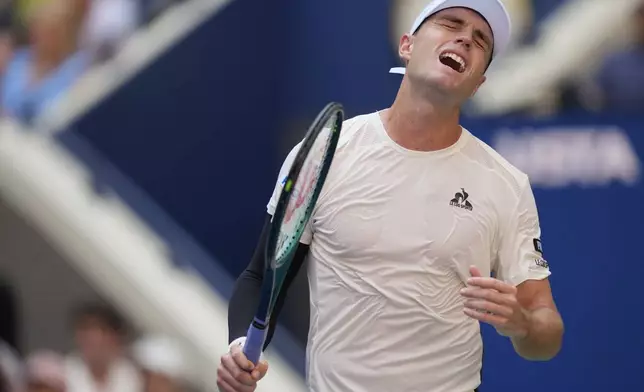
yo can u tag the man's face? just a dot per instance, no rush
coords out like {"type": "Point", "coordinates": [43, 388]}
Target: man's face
{"type": "Point", "coordinates": [97, 343]}
{"type": "Point", "coordinates": [449, 53]}
{"type": "Point", "coordinates": [50, 28]}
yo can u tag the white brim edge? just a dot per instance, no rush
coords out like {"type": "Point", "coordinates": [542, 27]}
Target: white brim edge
{"type": "Point", "coordinates": [397, 70]}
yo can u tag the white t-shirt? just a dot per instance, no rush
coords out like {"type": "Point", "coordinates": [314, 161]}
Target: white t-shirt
{"type": "Point", "coordinates": [123, 377]}
{"type": "Point", "coordinates": [391, 241]}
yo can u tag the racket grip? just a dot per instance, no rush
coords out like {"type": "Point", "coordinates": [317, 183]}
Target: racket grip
{"type": "Point", "coordinates": [255, 339]}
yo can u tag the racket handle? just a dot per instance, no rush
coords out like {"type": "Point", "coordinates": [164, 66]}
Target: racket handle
{"type": "Point", "coordinates": [255, 339]}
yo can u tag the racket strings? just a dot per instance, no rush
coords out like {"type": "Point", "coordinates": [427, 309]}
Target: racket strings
{"type": "Point", "coordinates": [305, 191]}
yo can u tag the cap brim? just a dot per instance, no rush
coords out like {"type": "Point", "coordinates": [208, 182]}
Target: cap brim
{"type": "Point", "coordinates": [398, 70]}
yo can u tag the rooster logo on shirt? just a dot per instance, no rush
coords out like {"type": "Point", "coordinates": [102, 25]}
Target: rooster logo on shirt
{"type": "Point", "coordinates": [460, 200]}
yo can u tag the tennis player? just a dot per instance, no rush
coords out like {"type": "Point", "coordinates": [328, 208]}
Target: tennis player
{"type": "Point", "coordinates": [421, 232]}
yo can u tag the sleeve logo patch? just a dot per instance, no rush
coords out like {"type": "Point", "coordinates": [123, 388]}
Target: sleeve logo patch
{"type": "Point", "coordinates": [537, 245]}
{"type": "Point", "coordinates": [541, 263]}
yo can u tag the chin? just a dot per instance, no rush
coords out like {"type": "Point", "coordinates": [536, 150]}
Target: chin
{"type": "Point", "coordinates": [446, 83]}
{"type": "Point", "coordinates": [442, 85]}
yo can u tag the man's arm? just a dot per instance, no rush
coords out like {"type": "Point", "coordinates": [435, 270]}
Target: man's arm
{"type": "Point", "coordinates": [518, 302]}
{"type": "Point", "coordinates": [245, 298]}
{"type": "Point", "coordinates": [525, 313]}
{"type": "Point", "coordinates": [545, 325]}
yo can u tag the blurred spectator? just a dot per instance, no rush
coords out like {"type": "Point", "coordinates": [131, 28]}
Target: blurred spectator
{"type": "Point", "coordinates": [100, 364]}
{"type": "Point", "coordinates": [10, 368]}
{"type": "Point", "coordinates": [50, 63]}
{"type": "Point", "coordinates": [162, 362]}
{"type": "Point", "coordinates": [4, 386]}
{"type": "Point", "coordinates": [45, 372]}
{"type": "Point", "coordinates": [6, 32]}
{"type": "Point", "coordinates": [620, 79]}
{"type": "Point", "coordinates": [109, 24]}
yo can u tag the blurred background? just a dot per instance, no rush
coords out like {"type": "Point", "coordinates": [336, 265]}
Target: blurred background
{"type": "Point", "coordinates": [140, 141]}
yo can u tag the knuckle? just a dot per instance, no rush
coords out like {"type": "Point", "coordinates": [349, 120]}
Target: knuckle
{"type": "Point", "coordinates": [222, 370]}
{"type": "Point", "coordinates": [236, 374]}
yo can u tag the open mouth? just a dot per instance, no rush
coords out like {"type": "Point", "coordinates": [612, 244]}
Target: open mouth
{"type": "Point", "coordinates": [454, 61]}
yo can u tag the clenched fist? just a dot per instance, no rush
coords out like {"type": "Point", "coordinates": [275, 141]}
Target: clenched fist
{"type": "Point", "coordinates": [237, 374]}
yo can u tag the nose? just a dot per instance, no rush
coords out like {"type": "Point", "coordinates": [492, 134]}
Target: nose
{"type": "Point", "coordinates": [466, 42]}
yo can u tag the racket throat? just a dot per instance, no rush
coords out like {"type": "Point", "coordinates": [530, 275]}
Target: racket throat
{"type": "Point", "coordinates": [260, 324]}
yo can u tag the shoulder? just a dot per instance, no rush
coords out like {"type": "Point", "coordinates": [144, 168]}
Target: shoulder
{"type": "Point", "coordinates": [20, 57]}
{"type": "Point", "coordinates": [357, 126]}
{"type": "Point", "coordinates": [350, 128]}
{"type": "Point", "coordinates": [496, 166]}
{"type": "Point", "coordinates": [358, 121]}
{"type": "Point", "coordinates": [16, 67]}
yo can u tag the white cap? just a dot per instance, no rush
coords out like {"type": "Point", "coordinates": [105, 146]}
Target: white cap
{"type": "Point", "coordinates": [493, 11]}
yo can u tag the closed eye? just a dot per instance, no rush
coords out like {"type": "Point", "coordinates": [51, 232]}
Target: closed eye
{"type": "Point", "coordinates": [482, 40]}
{"type": "Point", "coordinates": [452, 23]}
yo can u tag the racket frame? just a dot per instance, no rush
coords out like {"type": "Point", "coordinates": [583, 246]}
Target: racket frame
{"type": "Point", "coordinates": [271, 286]}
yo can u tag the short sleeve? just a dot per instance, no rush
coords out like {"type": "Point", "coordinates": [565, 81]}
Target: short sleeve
{"type": "Point", "coordinates": [520, 254]}
{"type": "Point", "coordinates": [307, 236]}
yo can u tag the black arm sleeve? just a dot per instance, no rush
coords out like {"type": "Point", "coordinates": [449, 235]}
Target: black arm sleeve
{"type": "Point", "coordinates": [245, 299]}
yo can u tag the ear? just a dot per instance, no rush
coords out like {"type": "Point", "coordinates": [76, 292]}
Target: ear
{"type": "Point", "coordinates": [483, 79]}
{"type": "Point", "coordinates": [405, 47]}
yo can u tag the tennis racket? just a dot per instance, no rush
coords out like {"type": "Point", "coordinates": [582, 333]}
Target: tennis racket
{"type": "Point", "coordinates": [300, 191]}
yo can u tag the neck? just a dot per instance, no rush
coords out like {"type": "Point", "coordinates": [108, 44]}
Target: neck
{"type": "Point", "coordinates": [416, 122]}
{"type": "Point", "coordinates": [99, 372]}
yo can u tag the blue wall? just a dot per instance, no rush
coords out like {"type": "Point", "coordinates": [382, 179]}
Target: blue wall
{"type": "Point", "coordinates": [203, 131]}
{"type": "Point", "coordinates": [592, 237]}
{"type": "Point", "coordinates": [196, 131]}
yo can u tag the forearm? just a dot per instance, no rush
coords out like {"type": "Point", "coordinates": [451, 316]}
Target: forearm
{"type": "Point", "coordinates": [245, 298]}
{"type": "Point", "coordinates": [243, 303]}
{"type": "Point", "coordinates": [246, 295]}
{"type": "Point", "coordinates": [544, 338]}
{"type": "Point", "coordinates": [248, 287]}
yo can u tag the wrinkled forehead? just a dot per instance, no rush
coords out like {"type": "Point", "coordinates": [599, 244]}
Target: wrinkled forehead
{"type": "Point", "coordinates": [467, 15]}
